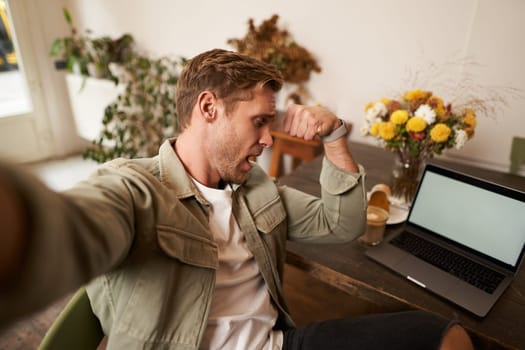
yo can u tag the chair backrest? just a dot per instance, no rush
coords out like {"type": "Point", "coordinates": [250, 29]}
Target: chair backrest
{"type": "Point", "coordinates": [299, 149]}
{"type": "Point", "coordinates": [517, 154]}
{"type": "Point", "coordinates": [76, 327]}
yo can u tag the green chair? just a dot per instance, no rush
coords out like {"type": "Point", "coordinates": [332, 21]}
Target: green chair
{"type": "Point", "coordinates": [517, 154]}
{"type": "Point", "coordinates": [76, 327]}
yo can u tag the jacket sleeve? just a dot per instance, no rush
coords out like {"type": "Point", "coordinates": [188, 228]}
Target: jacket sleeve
{"type": "Point", "coordinates": [338, 216]}
{"type": "Point", "coordinates": [73, 236]}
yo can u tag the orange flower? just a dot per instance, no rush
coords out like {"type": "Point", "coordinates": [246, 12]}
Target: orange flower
{"type": "Point", "coordinates": [392, 106]}
{"type": "Point", "coordinates": [417, 95]}
{"type": "Point", "coordinates": [470, 118]}
{"type": "Point", "coordinates": [437, 105]}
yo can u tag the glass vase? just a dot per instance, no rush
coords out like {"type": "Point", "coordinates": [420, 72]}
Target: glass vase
{"type": "Point", "coordinates": [406, 175]}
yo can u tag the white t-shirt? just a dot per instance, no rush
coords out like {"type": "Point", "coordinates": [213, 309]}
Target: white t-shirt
{"type": "Point", "coordinates": [242, 315]}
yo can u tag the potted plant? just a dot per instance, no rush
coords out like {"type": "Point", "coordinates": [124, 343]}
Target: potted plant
{"type": "Point", "coordinates": [88, 56]}
{"type": "Point", "coordinates": [90, 83]}
{"type": "Point", "coordinates": [270, 44]}
{"type": "Point", "coordinates": [122, 101]}
{"type": "Point", "coordinates": [144, 114]}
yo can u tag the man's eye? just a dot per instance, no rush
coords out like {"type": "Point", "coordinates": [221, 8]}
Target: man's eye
{"type": "Point", "coordinates": [259, 122]}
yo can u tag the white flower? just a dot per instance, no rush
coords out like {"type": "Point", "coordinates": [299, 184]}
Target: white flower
{"type": "Point", "coordinates": [426, 112]}
{"type": "Point", "coordinates": [375, 112]}
{"type": "Point", "coordinates": [460, 139]}
{"type": "Point", "coordinates": [364, 129]}
{"type": "Point", "coordinates": [382, 108]}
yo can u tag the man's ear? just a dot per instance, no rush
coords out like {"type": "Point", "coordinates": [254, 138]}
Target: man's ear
{"type": "Point", "coordinates": [207, 104]}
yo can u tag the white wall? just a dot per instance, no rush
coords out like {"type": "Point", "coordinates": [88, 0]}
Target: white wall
{"type": "Point", "coordinates": [367, 49]}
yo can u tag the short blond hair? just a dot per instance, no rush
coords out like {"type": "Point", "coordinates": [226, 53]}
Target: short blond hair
{"type": "Point", "coordinates": [228, 74]}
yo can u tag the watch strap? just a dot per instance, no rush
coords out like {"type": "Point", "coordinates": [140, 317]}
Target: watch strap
{"type": "Point", "coordinates": [336, 134]}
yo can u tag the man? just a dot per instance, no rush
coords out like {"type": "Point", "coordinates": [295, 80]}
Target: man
{"type": "Point", "coordinates": [189, 246]}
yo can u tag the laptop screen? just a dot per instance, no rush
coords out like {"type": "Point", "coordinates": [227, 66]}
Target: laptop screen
{"type": "Point", "coordinates": [485, 217]}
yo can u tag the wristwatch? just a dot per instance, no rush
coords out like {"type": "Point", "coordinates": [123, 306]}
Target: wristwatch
{"type": "Point", "coordinates": [336, 134]}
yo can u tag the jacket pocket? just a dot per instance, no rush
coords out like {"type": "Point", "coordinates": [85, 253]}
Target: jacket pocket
{"type": "Point", "coordinates": [269, 217]}
{"type": "Point", "coordinates": [188, 247]}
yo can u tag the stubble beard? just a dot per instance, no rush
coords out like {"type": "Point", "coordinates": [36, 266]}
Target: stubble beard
{"type": "Point", "coordinates": [227, 157]}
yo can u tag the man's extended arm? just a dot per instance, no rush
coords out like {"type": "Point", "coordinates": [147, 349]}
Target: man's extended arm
{"type": "Point", "coordinates": [14, 227]}
{"type": "Point", "coordinates": [51, 243]}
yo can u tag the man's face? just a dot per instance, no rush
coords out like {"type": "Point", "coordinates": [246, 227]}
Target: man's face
{"type": "Point", "coordinates": [240, 135]}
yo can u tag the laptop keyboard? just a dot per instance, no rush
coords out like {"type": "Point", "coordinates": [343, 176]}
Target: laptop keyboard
{"type": "Point", "coordinates": [469, 271]}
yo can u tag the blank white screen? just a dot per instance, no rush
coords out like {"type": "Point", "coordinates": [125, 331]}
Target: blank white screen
{"type": "Point", "coordinates": [488, 222]}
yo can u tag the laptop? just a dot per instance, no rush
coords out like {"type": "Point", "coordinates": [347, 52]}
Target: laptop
{"type": "Point", "coordinates": [464, 239]}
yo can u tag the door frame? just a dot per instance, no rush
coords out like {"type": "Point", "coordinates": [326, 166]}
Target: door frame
{"type": "Point", "coordinates": [26, 137]}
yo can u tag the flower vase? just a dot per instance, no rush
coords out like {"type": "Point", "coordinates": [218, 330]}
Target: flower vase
{"type": "Point", "coordinates": [406, 175]}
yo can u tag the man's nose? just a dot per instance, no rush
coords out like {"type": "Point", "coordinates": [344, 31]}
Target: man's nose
{"type": "Point", "coordinates": [266, 139]}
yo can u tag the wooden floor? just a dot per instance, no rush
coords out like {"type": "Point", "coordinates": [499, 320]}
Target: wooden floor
{"type": "Point", "coordinates": [309, 300]}
{"type": "Point", "coordinates": [27, 334]}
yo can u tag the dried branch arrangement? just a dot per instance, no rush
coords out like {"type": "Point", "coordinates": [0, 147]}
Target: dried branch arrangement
{"type": "Point", "coordinates": [272, 45]}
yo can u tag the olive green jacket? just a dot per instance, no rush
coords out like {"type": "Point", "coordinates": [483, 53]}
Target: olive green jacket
{"type": "Point", "coordinates": [142, 227]}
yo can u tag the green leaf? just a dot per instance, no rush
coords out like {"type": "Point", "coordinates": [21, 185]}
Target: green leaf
{"type": "Point", "coordinates": [56, 47]}
{"type": "Point", "coordinates": [67, 16]}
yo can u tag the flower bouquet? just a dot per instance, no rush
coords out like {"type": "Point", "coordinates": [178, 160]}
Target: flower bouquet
{"type": "Point", "coordinates": [415, 127]}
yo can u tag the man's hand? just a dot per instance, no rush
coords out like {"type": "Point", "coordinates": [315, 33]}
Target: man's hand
{"type": "Point", "coordinates": [307, 122]}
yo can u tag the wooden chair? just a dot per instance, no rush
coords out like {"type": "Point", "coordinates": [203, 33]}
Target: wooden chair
{"type": "Point", "coordinates": [300, 150]}
{"type": "Point", "coordinates": [75, 328]}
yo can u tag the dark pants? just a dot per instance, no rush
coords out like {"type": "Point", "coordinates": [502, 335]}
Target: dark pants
{"type": "Point", "coordinates": [404, 330]}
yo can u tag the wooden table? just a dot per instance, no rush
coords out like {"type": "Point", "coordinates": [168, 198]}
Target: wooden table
{"type": "Point", "coordinates": [346, 267]}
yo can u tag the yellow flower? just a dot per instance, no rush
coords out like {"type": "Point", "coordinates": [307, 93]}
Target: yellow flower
{"type": "Point", "coordinates": [470, 118]}
{"type": "Point", "coordinates": [417, 94]}
{"type": "Point", "coordinates": [416, 124]}
{"type": "Point", "coordinates": [385, 101]}
{"type": "Point", "coordinates": [387, 130]}
{"type": "Point", "coordinates": [374, 130]}
{"type": "Point", "coordinates": [440, 132]}
{"type": "Point", "coordinates": [369, 105]}
{"type": "Point", "coordinates": [399, 117]}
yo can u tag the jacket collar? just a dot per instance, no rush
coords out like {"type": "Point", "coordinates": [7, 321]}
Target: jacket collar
{"type": "Point", "coordinates": [173, 174]}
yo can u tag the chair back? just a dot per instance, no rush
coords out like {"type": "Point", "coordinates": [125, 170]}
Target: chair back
{"type": "Point", "coordinates": [76, 327]}
{"type": "Point", "coordinates": [517, 154]}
